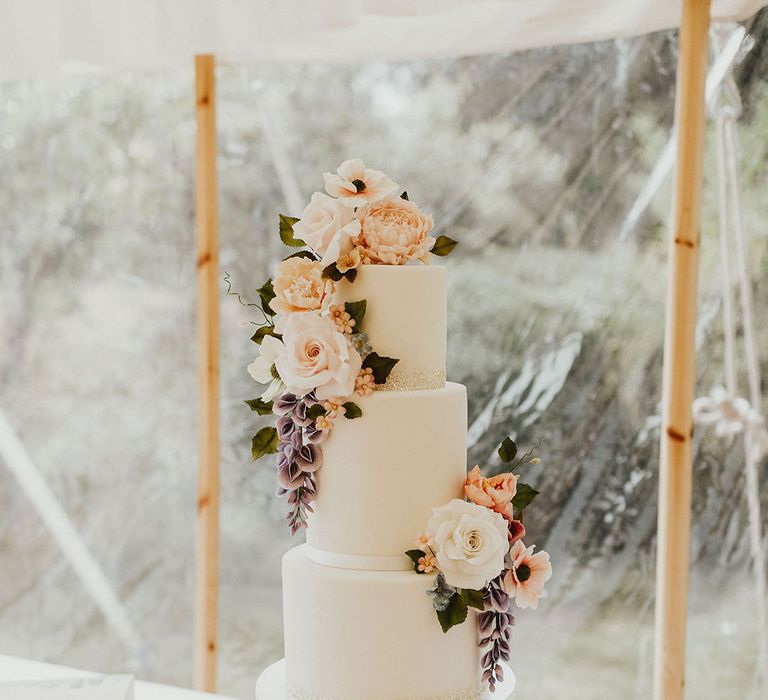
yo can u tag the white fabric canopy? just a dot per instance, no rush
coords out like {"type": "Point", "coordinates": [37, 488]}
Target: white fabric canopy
{"type": "Point", "coordinates": [40, 38]}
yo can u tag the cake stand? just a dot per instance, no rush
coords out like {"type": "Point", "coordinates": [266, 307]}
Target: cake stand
{"type": "Point", "coordinates": [271, 684]}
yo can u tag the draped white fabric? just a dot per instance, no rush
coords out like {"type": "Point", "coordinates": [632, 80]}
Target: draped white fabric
{"type": "Point", "coordinates": [40, 38]}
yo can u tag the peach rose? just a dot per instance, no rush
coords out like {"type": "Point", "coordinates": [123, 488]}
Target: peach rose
{"type": "Point", "coordinates": [328, 227]}
{"type": "Point", "coordinates": [495, 493]}
{"type": "Point", "coordinates": [393, 232]}
{"type": "Point", "coordinates": [317, 357]}
{"type": "Point", "coordinates": [527, 575]}
{"type": "Point", "coordinates": [299, 286]}
{"type": "Point", "coordinates": [355, 185]}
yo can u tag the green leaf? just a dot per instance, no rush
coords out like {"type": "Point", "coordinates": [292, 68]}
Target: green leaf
{"type": "Point", "coordinates": [454, 614]}
{"type": "Point", "coordinates": [302, 254]}
{"type": "Point", "coordinates": [286, 232]}
{"type": "Point", "coordinates": [315, 411]}
{"type": "Point", "coordinates": [352, 410]}
{"type": "Point", "coordinates": [332, 272]}
{"type": "Point", "coordinates": [351, 275]}
{"type": "Point", "coordinates": [263, 408]}
{"type": "Point", "coordinates": [474, 599]}
{"type": "Point", "coordinates": [356, 310]}
{"type": "Point", "coordinates": [525, 494]}
{"type": "Point", "coordinates": [266, 293]}
{"type": "Point", "coordinates": [443, 246]}
{"type": "Point", "coordinates": [404, 196]}
{"type": "Point", "coordinates": [414, 555]}
{"type": "Point", "coordinates": [264, 442]}
{"type": "Point", "coordinates": [381, 366]}
{"type": "Point", "coordinates": [259, 335]}
{"type": "Point", "coordinates": [508, 450]}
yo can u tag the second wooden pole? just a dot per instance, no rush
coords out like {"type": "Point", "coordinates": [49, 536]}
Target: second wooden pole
{"type": "Point", "coordinates": [207, 261]}
{"type": "Point", "coordinates": [676, 469]}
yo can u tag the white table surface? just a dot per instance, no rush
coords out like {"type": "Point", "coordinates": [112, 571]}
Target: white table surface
{"type": "Point", "coordinates": [15, 669]}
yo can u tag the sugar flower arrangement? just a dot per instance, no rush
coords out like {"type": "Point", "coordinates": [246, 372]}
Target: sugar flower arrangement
{"type": "Point", "coordinates": [315, 356]}
{"type": "Point", "coordinates": [475, 546]}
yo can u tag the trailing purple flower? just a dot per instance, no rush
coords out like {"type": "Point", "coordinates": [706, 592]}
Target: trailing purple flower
{"type": "Point", "coordinates": [313, 435]}
{"type": "Point", "coordinates": [299, 502]}
{"type": "Point", "coordinates": [495, 623]}
{"type": "Point", "coordinates": [300, 415]}
{"type": "Point", "coordinates": [283, 405]}
{"type": "Point", "coordinates": [298, 455]}
{"type": "Point", "coordinates": [285, 428]}
{"type": "Point", "coordinates": [300, 409]}
{"type": "Point", "coordinates": [309, 457]}
{"type": "Point", "coordinates": [494, 596]}
{"type": "Point", "coordinates": [289, 474]}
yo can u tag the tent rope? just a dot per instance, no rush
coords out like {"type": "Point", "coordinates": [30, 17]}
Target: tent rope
{"type": "Point", "coordinates": [731, 414]}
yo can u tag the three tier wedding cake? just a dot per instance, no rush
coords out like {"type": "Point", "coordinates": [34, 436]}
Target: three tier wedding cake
{"type": "Point", "coordinates": [402, 546]}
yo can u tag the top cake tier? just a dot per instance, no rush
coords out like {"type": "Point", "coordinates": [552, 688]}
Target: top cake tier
{"type": "Point", "coordinates": [406, 318]}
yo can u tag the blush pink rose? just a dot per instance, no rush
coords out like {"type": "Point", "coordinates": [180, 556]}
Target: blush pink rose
{"type": "Point", "coordinates": [318, 357]}
{"type": "Point", "coordinates": [527, 575]}
{"type": "Point", "coordinates": [299, 286]}
{"type": "Point", "coordinates": [495, 493]}
{"type": "Point", "coordinates": [328, 227]}
{"type": "Point", "coordinates": [394, 231]}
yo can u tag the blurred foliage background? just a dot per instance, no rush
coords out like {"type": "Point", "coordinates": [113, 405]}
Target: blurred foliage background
{"type": "Point", "coordinates": [533, 161]}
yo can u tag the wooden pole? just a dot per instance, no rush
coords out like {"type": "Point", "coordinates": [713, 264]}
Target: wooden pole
{"type": "Point", "coordinates": [676, 470]}
{"type": "Point", "coordinates": [207, 247]}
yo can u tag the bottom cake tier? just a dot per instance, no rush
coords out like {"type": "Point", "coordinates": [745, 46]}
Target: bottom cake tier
{"type": "Point", "coordinates": [371, 635]}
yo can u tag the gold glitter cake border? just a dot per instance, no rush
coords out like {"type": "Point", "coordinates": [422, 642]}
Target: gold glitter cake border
{"type": "Point", "coordinates": [417, 380]}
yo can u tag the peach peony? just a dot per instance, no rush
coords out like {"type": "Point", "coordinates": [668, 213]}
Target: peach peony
{"type": "Point", "coordinates": [495, 493]}
{"type": "Point", "coordinates": [355, 185]}
{"type": "Point", "coordinates": [299, 286]}
{"type": "Point", "coordinates": [328, 227]}
{"type": "Point", "coordinates": [317, 357]}
{"type": "Point", "coordinates": [393, 232]}
{"type": "Point", "coordinates": [527, 575]}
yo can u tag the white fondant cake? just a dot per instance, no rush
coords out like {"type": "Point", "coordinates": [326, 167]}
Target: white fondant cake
{"type": "Point", "coordinates": [404, 587]}
{"type": "Point", "coordinates": [405, 318]}
{"type": "Point", "coordinates": [358, 625]}
{"type": "Point", "coordinates": [383, 474]}
{"type": "Point", "coordinates": [371, 635]}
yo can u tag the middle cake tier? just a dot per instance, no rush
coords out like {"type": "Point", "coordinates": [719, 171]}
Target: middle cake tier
{"type": "Point", "coordinates": [383, 474]}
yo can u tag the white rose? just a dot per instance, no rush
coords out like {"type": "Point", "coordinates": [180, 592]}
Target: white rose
{"type": "Point", "coordinates": [328, 227]}
{"type": "Point", "coordinates": [470, 543]}
{"type": "Point", "coordinates": [261, 368]}
{"type": "Point", "coordinates": [317, 357]}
